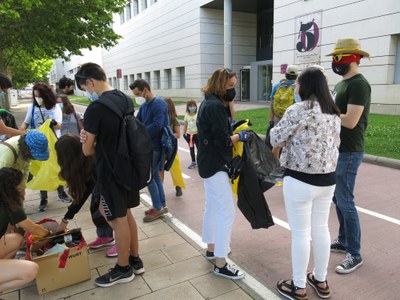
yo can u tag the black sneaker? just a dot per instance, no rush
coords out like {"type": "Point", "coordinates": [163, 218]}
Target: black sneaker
{"type": "Point", "coordinates": [178, 191]}
{"type": "Point", "coordinates": [43, 205]}
{"type": "Point", "coordinates": [338, 247]}
{"type": "Point", "coordinates": [210, 255]}
{"type": "Point", "coordinates": [114, 276]}
{"type": "Point", "coordinates": [349, 264]}
{"type": "Point", "coordinates": [229, 272]}
{"type": "Point", "coordinates": [137, 264]}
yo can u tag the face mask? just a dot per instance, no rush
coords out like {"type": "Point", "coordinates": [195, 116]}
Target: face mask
{"type": "Point", "coordinates": [140, 100]}
{"type": "Point", "coordinates": [61, 105]}
{"type": "Point", "coordinates": [2, 93]}
{"type": "Point", "coordinates": [39, 100]}
{"type": "Point", "coordinates": [230, 94]}
{"type": "Point", "coordinates": [297, 98]}
{"type": "Point", "coordinates": [192, 109]}
{"type": "Point", "coordinates": [92, 97]}
{"type": "Point", "coordinates": [340, 69]}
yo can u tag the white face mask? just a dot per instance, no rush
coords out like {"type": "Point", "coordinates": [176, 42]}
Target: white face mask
{"type": "Point", "coordinates": [140, 100]}
{"type": "Point", "coordinates": [39, 100]}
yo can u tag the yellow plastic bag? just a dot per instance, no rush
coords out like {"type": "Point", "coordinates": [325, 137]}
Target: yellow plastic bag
{"type": "Point", "coordinates": [45, 173]}
{"type": "Point", "coordinates": [238, 150]}
{"type": "Point", "coordinates": [176, 173]}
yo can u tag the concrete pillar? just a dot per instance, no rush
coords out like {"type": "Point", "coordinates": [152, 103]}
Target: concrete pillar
{"type": "Point", "coordinates": [228, 34]}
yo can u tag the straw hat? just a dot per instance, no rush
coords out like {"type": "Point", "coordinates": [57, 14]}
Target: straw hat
{"type": "Point", "coordinates": [348, 45]}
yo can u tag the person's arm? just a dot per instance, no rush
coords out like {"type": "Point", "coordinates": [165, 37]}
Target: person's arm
{"type": "Point", "coordinates": [177, 131]}
{"type": "Point", "coordinates": [88, 143]}
{"type": "Point", "coordinates": [352, 116]}
{"type": "Point", "coordinates": [57, 116]}
{"type": "Point", "coordinates": [33, 228]}
{"type": "Point", "coordinates": [28, 117]}
{"type": "Point", "coordinates": [158, 120]}
{"type": "Point", "coordinates": [185, 125]}
{"type": "Point", "coordinates": [9, 130]}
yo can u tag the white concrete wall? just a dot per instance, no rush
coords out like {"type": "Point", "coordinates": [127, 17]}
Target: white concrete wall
{"type": "Point", "coordinates": [375, 24]}
{"type": "Point", "coordinates": [172, 34]}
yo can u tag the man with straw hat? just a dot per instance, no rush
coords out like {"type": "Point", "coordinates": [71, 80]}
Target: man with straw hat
{"type": "Point", "coordinates": [353, 97]}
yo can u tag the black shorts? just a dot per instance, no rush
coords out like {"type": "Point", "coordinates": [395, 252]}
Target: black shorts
{"type": "Point", "coordinates": [116, 200]}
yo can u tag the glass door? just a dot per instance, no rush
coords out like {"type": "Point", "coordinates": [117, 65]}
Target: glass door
{"type": "Point", "coordinates": [245, 85]}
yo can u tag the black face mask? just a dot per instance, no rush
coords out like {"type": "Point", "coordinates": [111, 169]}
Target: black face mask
{"type": "Point", "coordinates": [340, 69]}
{"type": "Point", "coordinates": [230, 94]}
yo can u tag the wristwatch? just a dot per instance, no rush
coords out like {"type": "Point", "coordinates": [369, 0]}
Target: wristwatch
{"type": "Point", "coordinates": [65, 221]}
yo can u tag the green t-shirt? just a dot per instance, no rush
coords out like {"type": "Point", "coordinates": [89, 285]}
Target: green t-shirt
{"type": "Point", "coordinates": [357, 91]}
{"type": "Point", "coordinates": [10, 218]}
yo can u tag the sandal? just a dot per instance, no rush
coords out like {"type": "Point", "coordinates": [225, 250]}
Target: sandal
{"type": "Point", "coordinates": [287, 289]}
{"type": "Point", "coordinates": [323, 293]}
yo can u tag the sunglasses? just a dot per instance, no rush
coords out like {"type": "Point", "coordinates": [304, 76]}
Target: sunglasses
{"type": "Point", "coordinates": [338, 57]}
{"type": "Point", "coordinates": [78, 78]}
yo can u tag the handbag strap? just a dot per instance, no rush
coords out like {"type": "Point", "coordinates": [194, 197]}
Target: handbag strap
{"type": "Point", "coordinates": [12, 150]}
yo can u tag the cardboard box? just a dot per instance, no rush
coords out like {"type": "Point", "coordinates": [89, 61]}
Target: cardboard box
{"type": "Point", "coordinates": [61, 269]}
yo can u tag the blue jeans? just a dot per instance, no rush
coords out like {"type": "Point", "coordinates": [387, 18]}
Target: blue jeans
{"type": "Point", "coordinates": [155, 187]}
{"type": "Point", "coordinates": [349, 224]}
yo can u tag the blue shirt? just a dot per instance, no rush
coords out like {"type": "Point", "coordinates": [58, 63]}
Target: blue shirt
{"type": "Point", "coordinates": [154, 115]}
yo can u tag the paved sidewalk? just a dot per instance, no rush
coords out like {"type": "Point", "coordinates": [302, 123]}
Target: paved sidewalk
{"type": "Point", "coordinates": [175, 266]}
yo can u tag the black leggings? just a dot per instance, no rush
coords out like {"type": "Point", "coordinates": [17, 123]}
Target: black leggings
{"type": "Point", "coordinates": [195, 142]}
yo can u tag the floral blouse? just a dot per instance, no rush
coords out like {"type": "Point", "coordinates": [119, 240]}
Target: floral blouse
{"type": "Point", "coordinates": [310, 139]}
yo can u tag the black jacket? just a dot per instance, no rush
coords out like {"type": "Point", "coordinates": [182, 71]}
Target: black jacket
{"type": "Point", "coordinates": [214, 133]}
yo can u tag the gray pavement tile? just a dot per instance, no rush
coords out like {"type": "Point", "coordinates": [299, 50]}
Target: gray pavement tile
{"type": "Point", "coordinates": [122, 291]}
{"type": "Point", "coordinates": [11, 296]}
{"type": "Point", "coordinates": [177, 273]}
{"type": "Point", "coordinates": [154, 260]}
{"type": "Point", "coordinates": [181, 291]}
{"type": "Point", "coordinates": [211, 286]}
{"type": "Point", "coordinates": [99, 259]}
{"type": "Point", "coordinates": [161, 242]}
{"type": "Point", "coordinates": [180, 252]}
{"type": "Point", "coordinates": [157, 229]}
{"type": "Point", "coordinates": [234, 295]}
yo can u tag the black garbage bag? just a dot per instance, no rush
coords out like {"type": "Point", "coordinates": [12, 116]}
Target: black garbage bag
{"type": "Point", "coordinates": [267, 167]}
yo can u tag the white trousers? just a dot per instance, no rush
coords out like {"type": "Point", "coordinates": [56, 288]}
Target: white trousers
{"type": "Point", "coordinates": [219, 213]}
{"type": "Point", "coordinates": [307, 209]}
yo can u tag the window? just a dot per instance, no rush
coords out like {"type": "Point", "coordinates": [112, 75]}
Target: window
{"type": "Point", "coordinates": [168, 78]}
{"type": "Point", "coordinates": [147, 78]}
{"type": "Point", "coordinates": [128, 10]}
{"type": "Point", "coordinates": [180, 73]}
{"type": "Point", "coordinates": [135, 7]}
{"type": "Point", "coordinates": [122, 17]}
{"type": "Point", "coordinates": [144, 4]}
{"type": "Point", "coordinates": [156, 83]}
{"type": "Point", "coordinates": [138, 75]}
{"type": "Point", "coordinates": [131, 78]}
{"type": "Point", "coordinates": [125, 87]}
{"type": "Point", "coordinates": [397, 63]}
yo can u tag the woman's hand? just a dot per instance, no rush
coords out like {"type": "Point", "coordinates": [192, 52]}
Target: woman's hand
{"type": "Point", "coordinates": [83, 136]}
{"type": "Point", "coordinates": [61, 227]}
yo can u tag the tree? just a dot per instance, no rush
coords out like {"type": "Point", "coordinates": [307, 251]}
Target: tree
{"type": "Point", "coordinates": [54, 28]}
{"type": "Point", "coordinates": [35, 30]}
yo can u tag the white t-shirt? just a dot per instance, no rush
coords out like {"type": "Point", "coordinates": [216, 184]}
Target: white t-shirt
{"type": "Point", "coordinates": [191, 121]}
{"type": "Point", "coordinates": [54, 113]}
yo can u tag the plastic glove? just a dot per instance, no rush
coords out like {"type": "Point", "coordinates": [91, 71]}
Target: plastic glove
{"type": "Point", "coordinates": [245, 135]}
{"type": "Point", "coordinates": [53, 123]}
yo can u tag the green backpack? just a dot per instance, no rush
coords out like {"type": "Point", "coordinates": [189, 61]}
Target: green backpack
{"type": "Point", "coordinates": [283, 98]}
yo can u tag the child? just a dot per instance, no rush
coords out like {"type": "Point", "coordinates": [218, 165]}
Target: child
{"type": "Point", "coordinates": [71, 122]}
{"type": "Point", "coordinates": [14, 273]}
{"type": "Point", "coordinates": [190, 130]}
{"type": "Point", "coordinates": [176, 172]}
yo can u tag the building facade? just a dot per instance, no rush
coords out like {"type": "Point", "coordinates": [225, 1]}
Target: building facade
{"type": "Point", "coordinates": [176, 44]}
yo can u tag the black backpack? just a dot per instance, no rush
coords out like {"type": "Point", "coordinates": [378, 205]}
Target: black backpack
{"type": "Point", "coordinates": [133, 162]}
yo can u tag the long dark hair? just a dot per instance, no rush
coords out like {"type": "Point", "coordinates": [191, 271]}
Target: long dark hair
{"type": "Point", "coordinates": [314, 87]}
{"type": "Point", "coordinates": [76, 168]}
{"type": "Point", "coordinates": [171, 111]}
{"type": "Point", "coordinates": [68, 108]}
{"type": "Point", "coordinates": [10, 197]}
{"type": "Point", "coordinates": [45, 91]}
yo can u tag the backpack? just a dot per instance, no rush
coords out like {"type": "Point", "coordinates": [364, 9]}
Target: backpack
{"type": "Point", "coordinates": [169, 145]}
{"type": "Point", "coordinates": [283, 98]}
{"type": "Point", "coordinates": [133, 162]}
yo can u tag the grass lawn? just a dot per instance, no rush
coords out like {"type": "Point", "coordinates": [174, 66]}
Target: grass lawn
{"type": "Point", "coordinates": [382, 137]}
